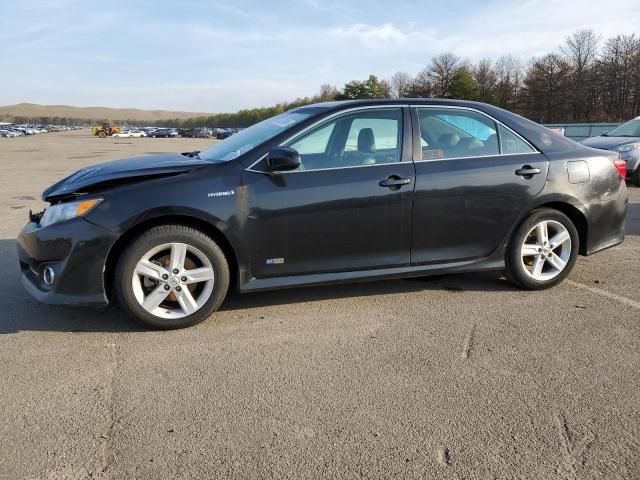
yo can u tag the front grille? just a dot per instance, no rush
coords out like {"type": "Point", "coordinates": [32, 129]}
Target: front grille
{"type": "Point", "coordinates": [35, 217]}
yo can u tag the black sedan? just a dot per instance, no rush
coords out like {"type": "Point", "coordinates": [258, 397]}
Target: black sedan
{"type": "Point", "coordinates": [225, 133]}
{"type": "Point", "coordinates": [164, 133]}
{"type": "Point", "coordinates": [332, 192]}
{"type": "Point", "coordinates": [624, 139]}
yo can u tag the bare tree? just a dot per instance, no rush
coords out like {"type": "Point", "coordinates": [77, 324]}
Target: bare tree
{"type": "Point", "coordinates": [635, 106]}
{"type": "Point", "coordinates": [421, 86]}
{"type": "Point", "coordinates": [486, 79]}
{"type": "Point", "coordinates": [400, 85]}
{"type": "Point", "coordinates": [327, 93]}
{"type": "Point", "coordinates": [581, 50]}
{"type": "Point", "coordinates": [441, 71]}
{"type": "Point", "coordinates": [617, 69]}
{"type": "Point", "coordinates": [547, 83]}
{"type": "Point", "coordinates": [509, 82]}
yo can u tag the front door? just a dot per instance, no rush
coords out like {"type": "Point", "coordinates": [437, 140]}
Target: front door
{"type": "Point", "coordinates": [474, 179]}
{"type": "Point", "coordinates": [348, 207]}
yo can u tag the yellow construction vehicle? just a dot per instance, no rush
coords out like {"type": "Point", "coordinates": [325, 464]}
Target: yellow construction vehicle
{"type": "Point", "coordinates": [104, 130]}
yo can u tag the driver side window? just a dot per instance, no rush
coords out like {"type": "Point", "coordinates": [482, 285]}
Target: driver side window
{"type": "Point", "coordinates": [368, 137]}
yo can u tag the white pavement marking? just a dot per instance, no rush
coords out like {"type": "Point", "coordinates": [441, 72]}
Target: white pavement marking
{"type": "Point", "coordinates": [604, 293]}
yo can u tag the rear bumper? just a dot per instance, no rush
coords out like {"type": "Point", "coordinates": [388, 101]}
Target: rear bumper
{"type": "Point", "coordinates": [76, 250]}
{"type": "Point", "coordinates": [606, 223]}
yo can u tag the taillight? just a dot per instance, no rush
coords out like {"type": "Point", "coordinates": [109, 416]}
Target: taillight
{"type": "Point", "coordinates": [621, 166]}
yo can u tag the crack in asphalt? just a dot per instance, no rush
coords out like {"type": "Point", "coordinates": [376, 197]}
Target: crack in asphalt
{"type": "Point", "coordinates": [572, 451]}
{"type": "Point", "coordinates": [106, 446]}
{"type": "Point", "coordinates": [468, 342]}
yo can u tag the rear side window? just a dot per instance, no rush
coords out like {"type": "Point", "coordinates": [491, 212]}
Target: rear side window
{"type": "Point", "coordinates": [456, 133]}
{"type": "Point", "coordinates": [511, 144]}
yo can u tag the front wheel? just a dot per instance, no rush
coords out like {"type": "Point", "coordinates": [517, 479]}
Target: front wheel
{"type": "Point", "coordinates": [542, 250]}
{"type": "Point", "coordinates": [171, 276]}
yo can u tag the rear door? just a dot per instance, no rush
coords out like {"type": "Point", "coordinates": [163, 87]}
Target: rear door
{"type": "Point", "coordinates": [473, 178]}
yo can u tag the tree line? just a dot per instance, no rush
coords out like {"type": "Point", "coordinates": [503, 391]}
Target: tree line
{"type": "Point", "coordinates": [587, 79]}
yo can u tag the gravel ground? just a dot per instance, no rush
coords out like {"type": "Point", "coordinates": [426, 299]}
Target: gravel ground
{"type": "Point", "coordinates": [461, 377]}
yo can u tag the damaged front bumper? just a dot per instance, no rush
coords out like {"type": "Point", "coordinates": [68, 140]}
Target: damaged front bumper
{"type": "Point", "coordinates": [73, 253]}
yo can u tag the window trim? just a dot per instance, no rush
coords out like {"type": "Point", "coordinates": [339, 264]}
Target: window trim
{"type": "Point", "coordinates": [418, 149]}
{"type": "Point", "coordinates": [406, 139]}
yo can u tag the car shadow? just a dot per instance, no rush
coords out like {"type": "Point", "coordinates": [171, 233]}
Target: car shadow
{"type": "Point", "coordinates": [22, 313]}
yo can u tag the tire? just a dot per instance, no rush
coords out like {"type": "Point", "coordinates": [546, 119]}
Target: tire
{"type": "Point", "coordinates": [102, 134]}
{"type": "Point", "coordinates": [541, 270]}
{"type": "Point", "coordinates": [635, 177]}
{"type": "Point", "coordinates": [188, 298]}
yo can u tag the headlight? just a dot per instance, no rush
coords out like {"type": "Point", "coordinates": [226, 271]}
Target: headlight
{"type": "Point", "coordinates": [66, 211]}
{"type": "Point", "coordinates": [627, 148]}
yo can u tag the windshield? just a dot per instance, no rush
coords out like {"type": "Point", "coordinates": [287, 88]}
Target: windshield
{"type": "Point", "coordinates": [242, 142]}
{"type": "Point", "coordinates": [628, 129]}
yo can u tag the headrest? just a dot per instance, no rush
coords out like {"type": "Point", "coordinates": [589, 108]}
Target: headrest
{"type": "Point", "coordinates": [448, 139]}
{"type": "Point", "coordinates": [366, 141]}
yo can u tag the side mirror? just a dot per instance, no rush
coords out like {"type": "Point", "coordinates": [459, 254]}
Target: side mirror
{"type": "Point", "coordinates": [283, 159]}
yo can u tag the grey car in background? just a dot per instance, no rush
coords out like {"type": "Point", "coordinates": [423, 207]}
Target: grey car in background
{"type": "Point", "coordinates": [624, 139]}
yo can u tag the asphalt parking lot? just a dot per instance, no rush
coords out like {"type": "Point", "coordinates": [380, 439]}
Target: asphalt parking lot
{"type": "Point", "coordinates": [459, 377]}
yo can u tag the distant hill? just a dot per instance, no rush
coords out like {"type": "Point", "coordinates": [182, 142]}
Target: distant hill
{"type": "Point", "coordinates": [31, 110]}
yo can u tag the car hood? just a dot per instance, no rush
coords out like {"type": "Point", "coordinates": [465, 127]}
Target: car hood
{"type": "Point", "coordinates": [120, 172]}
{"type": "Point", "coordinates": [607, 143]}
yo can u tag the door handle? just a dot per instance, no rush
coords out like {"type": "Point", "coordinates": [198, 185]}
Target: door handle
{"type": "Point", "coordinates": [394, 181]}
{"type": "Point", "coordinates": [528, 171]}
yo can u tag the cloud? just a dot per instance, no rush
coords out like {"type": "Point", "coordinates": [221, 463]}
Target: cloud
{"type": "Point", "coordinates": [206, 56]}
{"type": "Point", "coordinates": [533, 27]}
{"type": "Point", "coordinates": [371, 36]}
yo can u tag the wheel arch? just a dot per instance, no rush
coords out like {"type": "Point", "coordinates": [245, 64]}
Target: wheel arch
{"type": "Point", "coordinates": [178, 219]}
{"type": "Point", "coordinates": [566, 206]}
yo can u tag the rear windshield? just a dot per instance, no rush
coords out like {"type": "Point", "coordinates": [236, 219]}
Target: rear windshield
{"type": "Point", "coordinates": [628, 129]}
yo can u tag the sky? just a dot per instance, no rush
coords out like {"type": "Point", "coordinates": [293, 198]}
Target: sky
{"type": "Point", "coordinates": [219, 56]}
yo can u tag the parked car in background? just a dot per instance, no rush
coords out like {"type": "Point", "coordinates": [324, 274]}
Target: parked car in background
{"type": "Point", "coordinates": [10, 133]}
{"type": "Point", "coordinates": [129, 134]}
{"type": "Point", "coordinates": [122, 134]}
{"type": "Point", "coordinates": [624, 139]}
{"type": "Point", "coordinates": [12, 130]}
{"type": "Point", "coordinates": [225, 133]}
{"type": "Point", "coordinates": [165, 133]}
{"type": "Point", "coordinates": [326, 193]}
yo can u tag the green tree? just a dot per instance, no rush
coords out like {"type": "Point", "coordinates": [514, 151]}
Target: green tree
{"type": "Point", "coordinates": [463, 86]}
{"type": "Point", "coordinates": [370, 88]}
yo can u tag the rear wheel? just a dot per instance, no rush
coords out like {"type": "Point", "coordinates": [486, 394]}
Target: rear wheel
{"type": "Point", "coordinates": [635, 177]}
{"type": "Point", "coordinates": [102, 134]}
{"type": "Point", "coordinates": [542, 250]}
{"type": "Point", "coordinates": [172, 276]}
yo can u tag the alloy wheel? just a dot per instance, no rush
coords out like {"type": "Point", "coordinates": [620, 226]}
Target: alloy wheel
{"type": "Point", "coordinates": [546, 250]}
{"type": "Point", "coordinates": [173, 280]}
